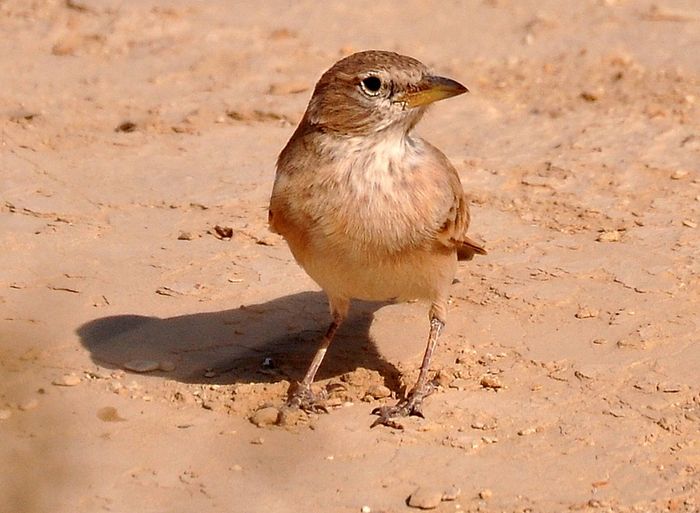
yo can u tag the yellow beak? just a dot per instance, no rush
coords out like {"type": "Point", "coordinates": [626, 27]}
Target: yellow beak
{"type": "Point", "coordinates": [432, 89]}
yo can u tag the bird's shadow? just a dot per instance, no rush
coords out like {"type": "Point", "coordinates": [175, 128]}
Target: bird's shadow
{"type": "Point", "coordinates": [263, 342]}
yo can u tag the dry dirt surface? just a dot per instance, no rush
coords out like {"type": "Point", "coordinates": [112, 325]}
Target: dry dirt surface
{"type": "Point", "coordinates": [149, 321]}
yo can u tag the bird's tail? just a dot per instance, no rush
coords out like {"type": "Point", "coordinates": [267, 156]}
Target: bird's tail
{"type": "Point", "coordinates": [467, 248]}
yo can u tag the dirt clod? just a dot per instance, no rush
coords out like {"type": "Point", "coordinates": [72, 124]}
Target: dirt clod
{"type": "Point", "coordinates": [265, 416]}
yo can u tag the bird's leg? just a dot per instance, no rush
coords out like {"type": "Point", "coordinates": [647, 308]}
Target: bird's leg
{"type": "Point", "coordinates": [412, 404]}
{"type": "Point", "coordinates": [302, 396]}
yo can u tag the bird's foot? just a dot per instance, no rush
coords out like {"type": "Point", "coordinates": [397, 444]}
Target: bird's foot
{"type": "Point", "coordinates": [305, 399]}
{"type": "Point", "coordinates": [412, 406]}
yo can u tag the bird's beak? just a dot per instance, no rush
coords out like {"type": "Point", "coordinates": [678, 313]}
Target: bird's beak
{"type": "Point", "coordinates": [432, 89]}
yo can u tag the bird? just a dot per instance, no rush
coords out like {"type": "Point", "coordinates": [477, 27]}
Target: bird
{"type": "Point", "coordinates": [370, 210]}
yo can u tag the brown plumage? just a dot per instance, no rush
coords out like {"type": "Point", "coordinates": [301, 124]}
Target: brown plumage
{"type": "Point", "coordinates": [369, 210]}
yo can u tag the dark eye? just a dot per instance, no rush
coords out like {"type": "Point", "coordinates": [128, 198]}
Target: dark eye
{"type": "Point", "coordinates": [371, 85]}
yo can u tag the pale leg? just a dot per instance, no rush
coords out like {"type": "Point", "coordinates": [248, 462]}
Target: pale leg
{"type": "Point", "coordinates": [411, 405]}
{"type": "Point", "coordinates": [302, 397]}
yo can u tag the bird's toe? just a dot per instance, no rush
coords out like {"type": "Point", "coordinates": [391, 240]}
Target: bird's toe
{"type": "Point", "coordinates": [307, 400]}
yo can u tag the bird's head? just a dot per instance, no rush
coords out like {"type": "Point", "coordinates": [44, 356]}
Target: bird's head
{"type": "Point", "coordinates": [368, 92]}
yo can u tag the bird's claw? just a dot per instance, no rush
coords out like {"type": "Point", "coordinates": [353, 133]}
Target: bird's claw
{"type": "Point", "coordinates": [305, 399]}
{"type": "Point", "coordinates": [410, 407]}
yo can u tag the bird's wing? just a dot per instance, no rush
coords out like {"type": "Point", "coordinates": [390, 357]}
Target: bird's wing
{"type": "Point", "coordinates": [453, 232]}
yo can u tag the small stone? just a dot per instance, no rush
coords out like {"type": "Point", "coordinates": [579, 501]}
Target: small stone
{"type": "Point", "coordinates": [483, 422]}
{"type": "Point", "coordinates": [610, 236]}
{"type": "Point", "coordinates": [690, 223]}
{"type": "Point", "coordinates": [485, 494]}
{"type": "Point", "coordinates": [585, 312]}
{"type": "Point", "coordinates": [527, 431]}
{"type": "Point", "coordinates": [223, 232]}
{"type": "Point", "coordinates": [67, 380]}
{"type": "Point", "coordinates": [366, 509]}
{"type": "Point", "coordinates": [97, 374]}
{"type": "Point", "coordinates": [141, 365]}
{"type": "Point", "coordinates": [5, 414]}
{"type": "Point", "coordinates": [679, 174]}
{"type": "Point", "coordinates": [669, 388]}
{"type": "Point", "coordinates": [166, 366]}
{"type": "Point", "coordinates": [265, 416]}
{"type": "Point", "coordinates": [451, 493]}
{"type": "Point", "coordinates": [184, 236]}
{"type": "Point", "coordinates": [258, 441]}
{"type": "Point", "coordinates": [291, 417]}
{"type": "Point", "coordinates": [379, 391]}
{"type": "Point", "coordinates": [425, 498]}
{"type": "Point", "coordinates": [491, 381]}
{"type": "Point", "coordinates": [444, 378]}
{"type": "Point", "coordinates": [28, 405]}
{"type": "Point", "coordinates": [126, 126]}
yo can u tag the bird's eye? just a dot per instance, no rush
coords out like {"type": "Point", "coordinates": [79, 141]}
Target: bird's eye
{"type": "Point", "coordinates": [371, 85]}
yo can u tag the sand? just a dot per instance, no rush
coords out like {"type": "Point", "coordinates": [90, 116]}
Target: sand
{"type": "Point", "coordinates": [146, 313]}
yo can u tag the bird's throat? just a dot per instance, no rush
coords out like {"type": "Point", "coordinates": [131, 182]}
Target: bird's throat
{"type": "Point", "coordinates": [375, 164]}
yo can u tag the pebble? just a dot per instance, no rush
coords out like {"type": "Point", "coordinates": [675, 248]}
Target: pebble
{"type": "Point", "coordinates": [425, 498]}
{"type": "Point", "coordinates": [257, 441]}
{"type": "Point", "coordinates": [485, 494]}
{"type": "Point", "coordinates": [678, 174]}
{"type": "Point", "coordinates": [289, 417]}
{"type": "Point", "coordinates": [527, 431]}
{"type": "Point", "coordinates": [141, 365]}
{"type": "Point", "coordinates": [451, 493]}
{"type": "Point", "coordinates": [5, 414]}
{"type": "Point", "coordinates": [690, 223]}
{"type": "Point", "coordinates": [28, 405]}
{"type": "Point", "coordinates": [379, 391]}
{"type": "Point", "coordinates": [483, 422]}
{"type": "Point", "coordinates": [491, 381]}
{"type": "Point", "coordinates": [587, 313]}
{"type": "Point", "coordinates": [366, 509]}
{"type": "Point", "coordinates": [611, 236]}
{"type": "Point", "coordinates": [115, 386]}
{"type": "Point", "coordinates": [265, 416]}
{"type": "Point", "coordinates": [97, 374]}
{"type": "Point", "coordinates": [443, 378]}
{"type": "Point", "coordinates": [67, 380]}
{"type": "Point", "coordinates": [184, 236]}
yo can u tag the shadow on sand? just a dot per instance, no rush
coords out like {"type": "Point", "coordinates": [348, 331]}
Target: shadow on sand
{"type": "Point", "coordinates": [230, 346]}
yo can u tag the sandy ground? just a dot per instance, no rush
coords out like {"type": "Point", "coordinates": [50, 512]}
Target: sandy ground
{"type": "Point", "coordinates": [569, 374]}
